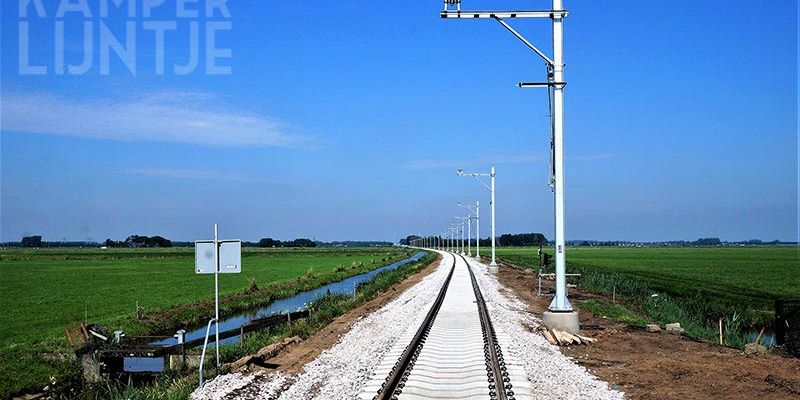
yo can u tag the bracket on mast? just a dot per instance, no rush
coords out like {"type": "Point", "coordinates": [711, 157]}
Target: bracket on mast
{"type": "Point", "coordinates": [540, 84]}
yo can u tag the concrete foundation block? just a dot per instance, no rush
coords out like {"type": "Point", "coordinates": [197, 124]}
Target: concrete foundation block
{"type": "Point", "coordinates": [674, 328]}
{"type": "Point", "coordinates": [653, 328]}
{"type": "Point", "coordinates": [754, 349]}
{"type": "Point", "coordinates": [91, 368]}
{"type": "Point", "coordinates": [563, 321]}
{"type": "Point", "coordinates": [175, 361]}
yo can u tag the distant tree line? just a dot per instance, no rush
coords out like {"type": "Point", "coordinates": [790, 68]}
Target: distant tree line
{"type": "Point", "coordinates": [522, 239]}
{"type": "Point", "coordinates": [354, 243]}
{"type": "Point", "coordinates": [270, 242]}
{"type": "Point", "coordinates": [506, 239]}
{"type": "Point", "coordinates": [140, 241]}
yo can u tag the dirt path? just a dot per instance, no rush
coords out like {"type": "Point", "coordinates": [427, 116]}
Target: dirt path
{"type": "Point", "coordinates": [296, 356]}
{"type": "Point", "coordinates": [662, 366]}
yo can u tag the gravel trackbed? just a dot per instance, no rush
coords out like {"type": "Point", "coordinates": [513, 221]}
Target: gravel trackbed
{"type": "Point", "coordinates": [341, 371]}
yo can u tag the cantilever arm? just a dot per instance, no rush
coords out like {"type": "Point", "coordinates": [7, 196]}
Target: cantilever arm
{"type": "Point", "coordinates": [477, 176]}
{"type": "Point", "coordinates": [527, 43]}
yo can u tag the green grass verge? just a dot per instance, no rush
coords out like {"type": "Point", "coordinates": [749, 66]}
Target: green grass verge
{"type": "Point", "coordinates": [612, 311]}
{"type": "Point", "coordinates": [47, 289]}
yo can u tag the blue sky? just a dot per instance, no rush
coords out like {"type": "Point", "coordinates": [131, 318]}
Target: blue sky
{"type": "Point", "coordinates": [347, 120]}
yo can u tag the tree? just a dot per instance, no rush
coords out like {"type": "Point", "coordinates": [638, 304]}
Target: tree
{"type": "Point", "coordinates": [409, 239]}
{"type": "Point", "coordinates": [31, 241]}
{"type": "Point", "coordinates": [301, 243]}
{"type": "Point", "coordinates": [268, 242]}
{"type": "Point", "coordinates": [136, 241]}
{"type": "Point", "coordinates": [141, 241]}
{"type": "Point", "coordinates": [521, 239]}
{"type": "Point", "coordinates": [158, 241]}
{"type": "Point", "coordinates": [708, 242]}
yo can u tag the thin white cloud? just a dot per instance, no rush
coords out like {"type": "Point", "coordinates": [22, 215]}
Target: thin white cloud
{"type": "Point", "coordinates": [195, 174]}
{"type": "Point", "coordinates": [178, 117]}
{"type": "Point", "coordinates": [189, 174]}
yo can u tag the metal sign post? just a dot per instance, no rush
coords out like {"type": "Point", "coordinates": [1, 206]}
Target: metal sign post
{"type": "Point", "coordinates": [216, 257]}
{"type": "Point", "coordinates": [560, 315]}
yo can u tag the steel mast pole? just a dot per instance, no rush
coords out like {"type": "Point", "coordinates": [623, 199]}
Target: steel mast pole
{"type": "Point", "coordinates": [560, 302]}
{"type": "Point", "coordinates": [469, 235]}
{"type": "Point", "coordinates": [478, 230]}
{"type": "Point", "coordinates": [449, 240]}
{"type": "Point", "coordinates": [463, 251]}
{"type": "Point", "coordinates": [493, 264]}
{"type": "Point", "coordinates": [460, 236]}
{"type": "Point", "coordinates": [459, 242]}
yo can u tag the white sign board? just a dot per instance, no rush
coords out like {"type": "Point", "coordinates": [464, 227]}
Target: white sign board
{"type": "Point", "coordinates": [230, 257]}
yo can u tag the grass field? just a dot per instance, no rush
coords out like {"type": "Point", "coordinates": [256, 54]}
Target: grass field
{"type": "Point", "coordinates": [752, 276]}
{"type": "Point", "coordinates": [694, 286]}
{"type": "Point", "coordinates": [46, 289]}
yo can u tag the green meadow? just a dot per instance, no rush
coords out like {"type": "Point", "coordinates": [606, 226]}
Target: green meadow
{"type": "Point", "coordinates": [751, 276]}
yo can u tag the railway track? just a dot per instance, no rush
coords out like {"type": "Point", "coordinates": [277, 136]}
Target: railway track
{"type": "Point", "coordinates": [454, 353]}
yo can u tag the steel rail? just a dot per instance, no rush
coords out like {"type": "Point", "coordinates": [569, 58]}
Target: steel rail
{"type": "Point", "coordinates": [496, 372]}
{"type": "Point", "coordinates": [395, 382]}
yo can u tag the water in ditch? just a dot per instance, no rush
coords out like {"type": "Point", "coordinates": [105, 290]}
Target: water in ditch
{"type": "Point", "coordinates": [289, 304]}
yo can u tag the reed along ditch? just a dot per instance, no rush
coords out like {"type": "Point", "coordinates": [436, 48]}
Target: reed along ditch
{"type": "Point", "coordinates": [297, 302]}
